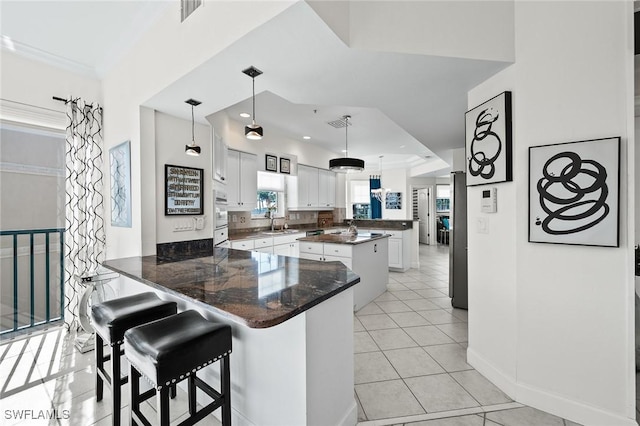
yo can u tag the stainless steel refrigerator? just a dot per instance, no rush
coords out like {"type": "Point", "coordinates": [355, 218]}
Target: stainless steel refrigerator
{"type": "Point", "coordinates": [458, 242]}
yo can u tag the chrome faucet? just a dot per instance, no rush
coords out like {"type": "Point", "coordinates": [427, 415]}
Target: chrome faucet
{"type": "Point", "coordinates": [273, 221]}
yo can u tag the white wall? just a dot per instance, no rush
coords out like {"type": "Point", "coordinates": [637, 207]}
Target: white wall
{"type": "Point", "coordinates": [167, 51]}
{"type": "Point", "coordinates": [35, 83]}
{"type": "Point", "coordinates": [232, 132]}
{"type": "Point", "coordinates": [468, 29]}
{"type": "Point", "coordinates": [394, 180]}
{"type": "Point", "coordinates": [553, 324]}
{"type": "Point", "coordinates": [172, 134]}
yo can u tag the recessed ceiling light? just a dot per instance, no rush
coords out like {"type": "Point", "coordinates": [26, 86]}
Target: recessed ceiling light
{"type": "Point", "coordinates": [344, 150]}
{"type": "Point", "coordinates": [245, 115]}
{"type": "Point", "coordinates": [306, 137]}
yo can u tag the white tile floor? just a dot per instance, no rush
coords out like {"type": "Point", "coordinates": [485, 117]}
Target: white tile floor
{"type": "Point", "coordinates": [410, 358]}
{"type": "Point", "coordinates": [410, 367]}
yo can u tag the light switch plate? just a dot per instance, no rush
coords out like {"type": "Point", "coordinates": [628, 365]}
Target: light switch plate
{"type": "Point", "coordinates": [482, 225]}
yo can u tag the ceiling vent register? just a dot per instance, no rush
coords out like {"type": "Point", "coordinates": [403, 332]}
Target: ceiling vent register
{"type": "Point", "coordinates": [187, 7]}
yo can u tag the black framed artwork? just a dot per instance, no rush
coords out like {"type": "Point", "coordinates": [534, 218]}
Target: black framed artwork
{"type": "Point", "coordinates": [488, 141]}
{"type": "Point", "coordinates": [285, 165]}
{"type": "Point", "coordinates": [574, 193]}
{"type": "Point", "coordinates": [271, 163]}
{"type": "Point", "coordinates": [183, 190]}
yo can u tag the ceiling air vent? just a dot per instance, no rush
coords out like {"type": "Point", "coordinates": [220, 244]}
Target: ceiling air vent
{"type": "Point", "coordinates": [188, 7]}
{"type": "Point", "coordinates": [339, 123]}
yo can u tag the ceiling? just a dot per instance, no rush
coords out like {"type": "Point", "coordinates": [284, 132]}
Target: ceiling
{"type": "Point", "coordinates": [404, 107]}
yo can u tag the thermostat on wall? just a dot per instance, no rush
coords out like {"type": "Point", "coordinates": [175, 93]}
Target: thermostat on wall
{"type": "Point", "coordinates": [489, 200]}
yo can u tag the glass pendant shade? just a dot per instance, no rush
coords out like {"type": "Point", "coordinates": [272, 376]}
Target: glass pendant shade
{"type": "Point", "coordinates": [192, 148]}
{"type": "Point", "coordinates": [253, 131]}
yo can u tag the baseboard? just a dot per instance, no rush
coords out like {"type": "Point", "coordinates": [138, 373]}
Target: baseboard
{"type": "Point", "coordinates": [543, 400]}
{"type": "Point", "coordinates": [507, 384]}
{"type": "Point", "coordinates": [350, 418]}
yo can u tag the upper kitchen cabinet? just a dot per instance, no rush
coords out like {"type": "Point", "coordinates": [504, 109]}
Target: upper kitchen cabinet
{"type": "Point", "coordinates": [312, 189]}
{"type": "Point", "coordinates": [326, 188]}
{"type": "Point", "coordinates": [220, 151]}
{"type": "Point", "coordinates": [242, 180]}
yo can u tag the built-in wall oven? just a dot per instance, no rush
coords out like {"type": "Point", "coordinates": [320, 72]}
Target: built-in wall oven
{"type": "Point", "coordinates": [221, 233]}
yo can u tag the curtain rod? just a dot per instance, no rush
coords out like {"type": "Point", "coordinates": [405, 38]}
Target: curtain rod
{"type": "Point", "coordinates": [56, 98]}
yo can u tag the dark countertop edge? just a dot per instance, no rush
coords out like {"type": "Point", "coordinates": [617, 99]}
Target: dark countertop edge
{"type": "Point", "coordinates": [320, 239]}
{"type": "Point", "coordinates": [242, 321]}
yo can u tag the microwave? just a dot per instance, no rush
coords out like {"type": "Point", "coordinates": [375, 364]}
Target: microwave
{"type": "Point", "coordinates": [220, 207]}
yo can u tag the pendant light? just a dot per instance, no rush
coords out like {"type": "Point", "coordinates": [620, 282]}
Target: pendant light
{"type": "Point", "coordinates": [192, 148]}
{"type": "Point", "coordinates": [346, 164]}
{"type": "Point", "coordinates": [253, 131]}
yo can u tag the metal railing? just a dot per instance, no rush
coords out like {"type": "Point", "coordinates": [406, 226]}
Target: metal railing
{"type": "Point", "coordinates": [32, 277]}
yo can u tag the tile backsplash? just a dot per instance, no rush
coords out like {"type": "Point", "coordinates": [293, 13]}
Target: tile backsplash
{"type": "Point", "coordinates": [306, 219]}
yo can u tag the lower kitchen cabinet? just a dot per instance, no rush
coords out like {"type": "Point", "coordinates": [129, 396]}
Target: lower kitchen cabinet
{"type": "Point", "coordinates": [369, 260]}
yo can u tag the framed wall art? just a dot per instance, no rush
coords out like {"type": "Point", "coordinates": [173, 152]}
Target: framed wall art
{"type": "Point", "coordinates": [285, 165]}
{"type": "Point", "coordinates": [271, 163]}
{"type": "Point", "coordinates": [183, 190]}
{"type": "Point", "coordinates": [488, 141]}
{"type": "Point", "coordinates": [120, 172]}
{"type": "Point", "coordinates": [574, 193]}
{"type": "Point", "coordinates": [393, 201]}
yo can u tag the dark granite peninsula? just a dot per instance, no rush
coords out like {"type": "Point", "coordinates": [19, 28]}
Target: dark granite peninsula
{"type": "Point", "coordinates": [254, 289]}
{"type": "Point", "coordinates": [292, 322]}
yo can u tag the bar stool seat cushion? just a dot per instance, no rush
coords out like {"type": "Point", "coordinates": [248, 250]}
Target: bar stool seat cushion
{"type": "Point", "coordinates": [113, 317]}
{"type": "Point", "coordinates": [168, 350]}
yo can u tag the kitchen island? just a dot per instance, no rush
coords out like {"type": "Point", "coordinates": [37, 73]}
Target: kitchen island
{"type": "Point", "coordinates": [366, 254]}
{"type": "Point", "coordinates": [292, 322]}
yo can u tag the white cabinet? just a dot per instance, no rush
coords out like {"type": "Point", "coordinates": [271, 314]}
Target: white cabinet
{"type": "Point", "coordinates": [399, 250]}
{"type": "Point", "coordinates": [242, 180]}
{"type": "Point", "coordinates": [220, 152]}
{"type": "Point", "coordinates": [395, 252]}
{"type": "Point", "coordinates": [326, 252]}
{"type": "Point", "coordinates": [284, 245]}
{"type": "Point", "coordinates": [243, 244]}
{"type": "Point", "coordinates": [326, 188]}
{"type": "Point", "coordinates": [307, 186]}
{"type": "Point", "coordinates": [368, 260]}
{"type": "Point", "coordinates": [287, 245]}
{"type": "Point", "coordinates": [313, 188]}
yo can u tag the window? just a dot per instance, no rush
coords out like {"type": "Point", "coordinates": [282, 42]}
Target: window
{"type": "Point", "coordinates": [443, 198]}
{"type": "Point", "coordinates": [270, 195]}
{"type": "Point", "coordinates": [267, 201]}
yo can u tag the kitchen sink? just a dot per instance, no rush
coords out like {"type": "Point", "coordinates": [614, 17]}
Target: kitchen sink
{"type": "Point", "coordinates": [285, 231]}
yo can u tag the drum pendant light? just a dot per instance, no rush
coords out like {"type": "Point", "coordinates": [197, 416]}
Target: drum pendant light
{"type": "Point", "coordinates": [192, 148]}
{"type": "Point", "coordinates": [253, 131]}
{"type": "Point", "coordinates": [346, 164]}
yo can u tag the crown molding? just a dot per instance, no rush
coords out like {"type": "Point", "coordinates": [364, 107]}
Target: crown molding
{"type": "Point", "coordinates": [24, 114]}
{"type": "Point", "coordinates": [29, 52]}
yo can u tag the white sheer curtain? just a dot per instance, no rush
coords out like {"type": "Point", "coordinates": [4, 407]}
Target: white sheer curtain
{"type": "Point", "coordinates": [84, 215]}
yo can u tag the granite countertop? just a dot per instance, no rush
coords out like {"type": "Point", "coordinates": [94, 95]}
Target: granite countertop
{"type": "Point", "coordinates": [258, 290]}
{"type": "Point", "coordinates": [344, 238]}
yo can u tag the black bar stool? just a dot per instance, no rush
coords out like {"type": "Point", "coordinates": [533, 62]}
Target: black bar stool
{"type": "Point", "coordinates": [110, 320]}
{"type": "Point", "coordinates": [173, 349]}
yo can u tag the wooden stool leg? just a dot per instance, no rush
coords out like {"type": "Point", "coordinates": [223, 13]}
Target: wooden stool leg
{"type": "Point", "coordinates": [99, 367]}
{"type": "Point", "coordinates": [162, 397]}
{"type": "Point", "coordinates": [191, 393]}
{"type": "Point", "coordinates": [225, 389]}
{"type": "Point", "coordinates": [116, 395]}
{"type": "Point", "coordinates": [134, 398]}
